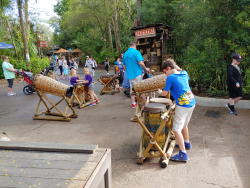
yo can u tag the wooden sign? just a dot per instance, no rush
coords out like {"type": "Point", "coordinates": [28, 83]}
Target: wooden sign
{"type": "Point", "coordinates": [42, 43]}
{"type": "Point", "coordinates": [144, 33]}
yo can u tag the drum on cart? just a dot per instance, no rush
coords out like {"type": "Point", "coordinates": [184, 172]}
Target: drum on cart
{"type": "Point", "coordinates": [49, 85]}
{"type": "Point", "coordinates": [152, 120]}
{"type": "Point", "coordinates": [44, 85]}
{"type": "Point", "coordinates": [150, 84]}
{"type": "Point", "coordinates": [167, 103]}
{"type": "Point", "coordinates": [109, 85]}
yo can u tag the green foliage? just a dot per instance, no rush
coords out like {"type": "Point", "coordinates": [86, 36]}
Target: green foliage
{"type": "Point", "coordinates": [205, 35]}
{"type": "Point", "coordinates": [246, 87]}
{"type": "Point", "coordinates": [36, 65]}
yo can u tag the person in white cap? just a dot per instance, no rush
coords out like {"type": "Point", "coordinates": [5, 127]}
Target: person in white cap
{"type": "Point", "coordinates": [234, 83]}
{"type": "Point", "coordinates": [88, 63]}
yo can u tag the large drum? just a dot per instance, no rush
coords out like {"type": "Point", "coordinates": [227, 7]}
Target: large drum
{"type": "Point", "coordinates": [152, 83]}
{"type": "Point", "coordinates": [105, 79]}
{"type": "Point", "coordinates": [168, 103]}
{"type": "Point", "coordinates": [50, 85]}
{"type": "Point", "coordinates": [152, 120]}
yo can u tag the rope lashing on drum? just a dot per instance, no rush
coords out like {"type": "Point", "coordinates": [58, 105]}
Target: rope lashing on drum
{"type": "Point", "coordinates": [143, 157]}
{"type": "Point", "coordinates": [151, 142]}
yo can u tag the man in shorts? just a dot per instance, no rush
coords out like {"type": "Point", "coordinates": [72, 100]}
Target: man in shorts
{"type": "Point", "coordinates": [234, 83]}
{"type": "Point", "coordinates": [133, 65]}
{"type": "Point", "coordinates": [177, 83]}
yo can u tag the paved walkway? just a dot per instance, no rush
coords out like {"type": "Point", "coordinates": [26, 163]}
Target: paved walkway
{"type": "Point", "coordinates": [219, 157]}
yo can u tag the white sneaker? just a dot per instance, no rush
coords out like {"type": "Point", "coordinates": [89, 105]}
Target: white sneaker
{"type": "Point", "coordinates": [10, 94]}
{"type": "Point", "coordinates": [13, 93]}
{"type": "Point", "coordinates": [107, 73]}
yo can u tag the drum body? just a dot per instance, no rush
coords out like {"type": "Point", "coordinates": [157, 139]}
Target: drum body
{"type": "Point", "coordinates": [105, 79]}
{"type": "Point", "coordinates": [50, 85]}
{"type": "Point", "coordinates": [152, 83]}
{"type": "Point", "coordinates": [152, 120]}
{"type": "Point", "coordinates": [166, 102]}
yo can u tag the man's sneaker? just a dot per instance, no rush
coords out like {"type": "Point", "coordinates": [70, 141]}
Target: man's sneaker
{"type": "Point", "coordinates": [10, 94]}
{"type": "Point", "coordinates": [13, 93]}
{"type": "Point", "coordinates": [231, 111]}
{"type": "Point", "coordinates": [181, 156]}
{"type": "Point", "coordinates": [92, 104]}
{"type": "Point", "coordinates": [187, 145]}
{"type": "Point", "coordinates": [97, 101]}
{"type": "Point", "coordinates": [133, 105]}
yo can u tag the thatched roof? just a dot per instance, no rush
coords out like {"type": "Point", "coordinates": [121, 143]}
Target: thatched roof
{"type": "Point", "coordinates": [77, 50]}
{"type": "Point", "coordinates": [61, 51]}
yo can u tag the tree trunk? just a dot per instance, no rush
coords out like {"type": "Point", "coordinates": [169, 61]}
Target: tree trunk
{"type": "Point", "coordinates": [116, 27]}
{"type": "Point", "coordinates": [26, 50]}
{"type": "Point", "coordinates": [110, 36]}
{"type": "Point", "coordinates": [12, 38]}
{"type": "Point", "coordinates": [139, 15]}
{"type": "Point", "coordinates": [27, 20]}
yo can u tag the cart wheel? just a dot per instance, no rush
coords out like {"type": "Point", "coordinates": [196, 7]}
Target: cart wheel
{"type": "Point", "coordinates": [101, 93]}
{"type": "Point", "coordinates": [164, 164]}
{"type": "Point", "coordinates": [139, 161]}
{"type": "Point", "coordinates": [27, 90]}
{"type": "Point", "coordinates": [113, 92]}
{"type": "Point", "coordinates": [75, 116]}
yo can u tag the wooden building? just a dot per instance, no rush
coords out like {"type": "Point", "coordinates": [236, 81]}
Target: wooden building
{"type": "Point", "coordinates": [151, 41]}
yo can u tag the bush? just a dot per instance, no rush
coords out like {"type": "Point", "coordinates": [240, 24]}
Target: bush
{"type": "Point", "coordinates": [36, 65]}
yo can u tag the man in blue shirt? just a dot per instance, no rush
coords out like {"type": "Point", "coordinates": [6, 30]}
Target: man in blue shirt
{"type": "Point", "coordinates": [133, 65]}
{"type": "Point", "coordinates": [177, 83]}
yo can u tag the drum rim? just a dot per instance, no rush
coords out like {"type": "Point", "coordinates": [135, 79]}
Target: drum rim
{"type": "Point", "coordinates": [162, 109]}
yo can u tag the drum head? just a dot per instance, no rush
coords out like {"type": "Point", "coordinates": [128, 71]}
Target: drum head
{"type": "Point", "coordinates": [106, 76]}
{"type": "Point", "coordinates": [161, 100]}
{"type": "Point", "coordinates": [155, 107]}
{"type": "Point", "coordinates": [77, 84]}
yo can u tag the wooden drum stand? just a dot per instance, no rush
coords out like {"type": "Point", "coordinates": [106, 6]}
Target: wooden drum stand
{"type": "Point", "coordinates": [155, 139]}
{"type": "Point", "coordinates": [109, 84]}
{"type": "Point", "coordinates": [45, 85]}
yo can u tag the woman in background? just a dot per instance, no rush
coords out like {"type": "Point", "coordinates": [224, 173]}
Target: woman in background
{"type": "Point", "coordinates": [9, 74]}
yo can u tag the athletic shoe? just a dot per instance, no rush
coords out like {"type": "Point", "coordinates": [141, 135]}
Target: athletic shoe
{"type": "Point", "coordinates": [181, 156]}
{"type": "Point", "coordinates": [92, 104]}
{"type": "Point", "coordinates": [231, 111]}
{"type": "Point", "coordinates": [187, 145]}
{"type": "Point", "coordinates": [107, 73]}
{"type": "Point", "coordinates": [97, 101]}
{"type": "Point", "coordinates": [61, 78]}
{"type": "Point", "coordinates": [134, 105]}
{"type": "Point", "coordinates": [10, 94]}
{"type": "Point", "coordinates": [13, 93]}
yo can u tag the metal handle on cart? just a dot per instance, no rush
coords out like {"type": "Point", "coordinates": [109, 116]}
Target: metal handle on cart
{"type": "Point", "coordinates": [165, 116]}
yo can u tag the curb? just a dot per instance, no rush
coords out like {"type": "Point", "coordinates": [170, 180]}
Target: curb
{"type": "Point", "coordinates": [213, 102]}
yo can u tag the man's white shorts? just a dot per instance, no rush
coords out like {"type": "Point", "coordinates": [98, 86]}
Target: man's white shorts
{"type": "Point", "coordinates": [182, 117]}
{"type": "Point", "coordinates": [131, 81]}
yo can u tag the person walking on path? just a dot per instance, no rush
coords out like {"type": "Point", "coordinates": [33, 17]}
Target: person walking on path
{"type": "Point", "coordinates": [234, 83]}
{"type": "Point", "coordinates": [93, 65]}
{"type": "Point", "coordinates": [177, 83]}
{"type": "Point", "coordinates": [133, 65]}
{"type": "Point", "coordinates": [9, 74]}
{"type": "Point", "coordinates": [53, 67]}
{"type": "Point", "coordinates": [107, 65]}
{"type": "Point", "coordinates": [88, 63]}
{"type": "Point", "coordinates": [60, 63]}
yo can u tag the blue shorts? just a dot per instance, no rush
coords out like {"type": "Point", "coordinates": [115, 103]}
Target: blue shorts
{"type": "Point", "coordinates": [10, 81]}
